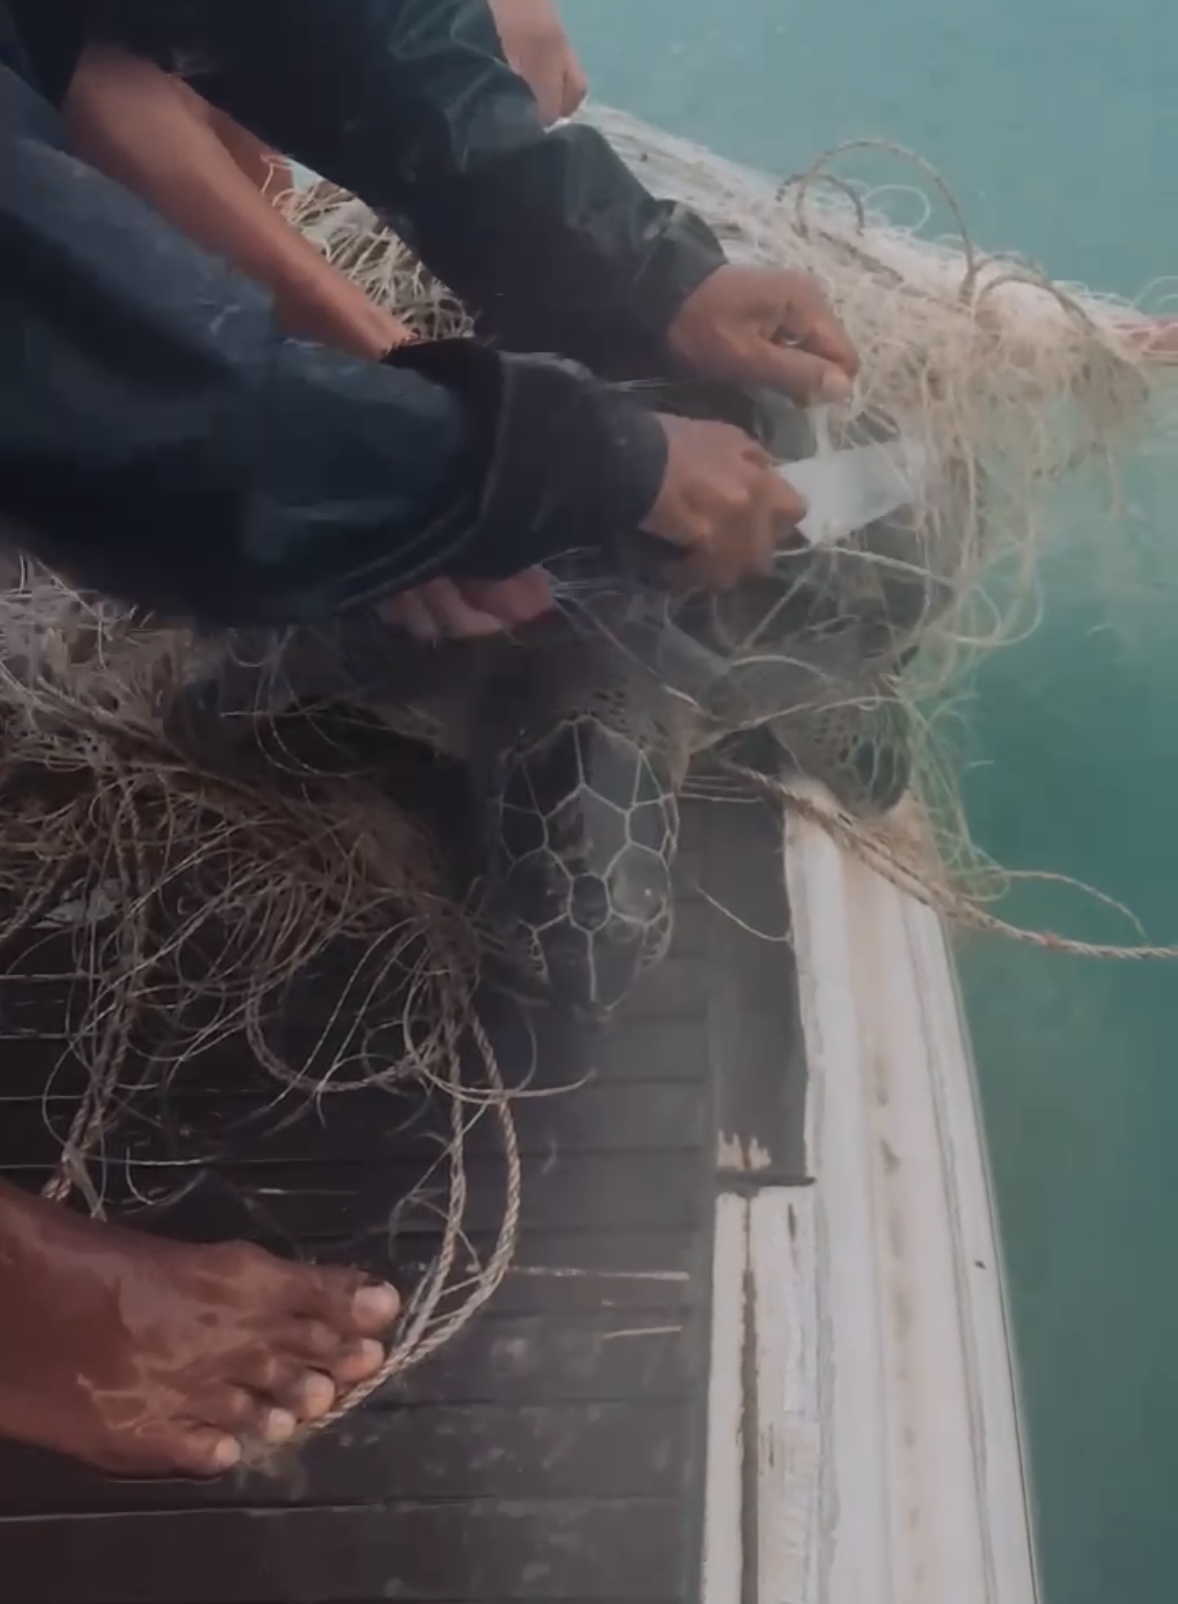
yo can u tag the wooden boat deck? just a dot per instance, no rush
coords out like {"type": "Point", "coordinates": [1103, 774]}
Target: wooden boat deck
{"type": "Point", "coordinates": [555, 1451]}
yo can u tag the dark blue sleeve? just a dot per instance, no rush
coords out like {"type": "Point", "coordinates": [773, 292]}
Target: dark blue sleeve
{"type": "Point", "coordinates": [411, 105]}
{"type": "Point", "coordinates": [161, 441]}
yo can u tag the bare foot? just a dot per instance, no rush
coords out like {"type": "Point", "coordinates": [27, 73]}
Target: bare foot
{"type": "Point", "coordinates": [147, 1357]}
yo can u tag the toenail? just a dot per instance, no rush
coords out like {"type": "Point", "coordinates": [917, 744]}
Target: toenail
{"type": "Point", "coordinates": [280, 1426]}
{"type": "Point", "coordinates": [226, 1453]}
{"type": "Point", "coordinates": [376, 1305]}
{"type": "Point", "coordinates": [318, 1395]}
{"type": "Point", "coordinates": [368, 1356]}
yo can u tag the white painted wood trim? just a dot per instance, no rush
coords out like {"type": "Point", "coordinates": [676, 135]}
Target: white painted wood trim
{"type": "Point", "coordinates": [923, 1485]}
{"type": "Point", "coordinates": [723, 1551]}
{"type": "Point", "coordinates": [763, 1503]}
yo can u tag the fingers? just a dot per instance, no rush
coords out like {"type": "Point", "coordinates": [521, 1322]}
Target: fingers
{"type": "Point", "coordinates": [538, 48]}
{"type": "Point", "coordinates": [454, 615]}
{"type": "Point", "coordinates": [800, 373]}
{"type": "Point", "coordinates": [820, 363]}
{"type": "Point", "coordinates": [548, 89]}
{"type": "Point", "coordinates": [776, 510]}
{"type": "Point", "coordinates": [807, 317]}
{"type": "Point", "coordinates": [1153, 338]}
{"type": "Point", "coordinates": [409, 612]}
{"type": "Point", "coordinates": [576, 87]}
{"type": "Point", "coordinates": [438, 611]}
{"type": "Point", "coordinates": [723, 500]}
{"type": "Point", "coordinates": [514, 601]}
{"type": "Point", "coordinates": [469, 609]}
{"type": "Point", "coordinates": [557, 82]}
{"type": "Point", "coordinates": [786, 506]}
{"type": "Point", "coordinates": [747, 542]}
{"type": "Point", "coordinates": [752, 325]}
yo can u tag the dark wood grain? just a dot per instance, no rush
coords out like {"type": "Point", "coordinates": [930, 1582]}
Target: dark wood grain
{"type": "Point", "coordinates": [555, 1449]}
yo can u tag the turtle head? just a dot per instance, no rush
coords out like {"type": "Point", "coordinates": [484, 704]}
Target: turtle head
{"type": "Point", "coordinates": [583, 833]}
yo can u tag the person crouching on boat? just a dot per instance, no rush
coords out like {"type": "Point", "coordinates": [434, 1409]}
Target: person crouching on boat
{"type": "Point", "coordinates": [216, 181]}
{"type": "Point", "coordinates": [162, 439]}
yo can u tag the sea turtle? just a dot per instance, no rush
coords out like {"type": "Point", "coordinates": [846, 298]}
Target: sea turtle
{"type": "Point", "coordinates": [579, 732]}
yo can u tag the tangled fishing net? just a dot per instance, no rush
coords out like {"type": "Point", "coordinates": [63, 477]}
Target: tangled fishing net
{"type": "Point", "coordinates": [1016, 382]}
{"type": "Point", "coordinates": [198, 904]}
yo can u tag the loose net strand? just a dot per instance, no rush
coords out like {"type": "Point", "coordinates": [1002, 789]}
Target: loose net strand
{"type": "Point", "coordinates": [148, 864]}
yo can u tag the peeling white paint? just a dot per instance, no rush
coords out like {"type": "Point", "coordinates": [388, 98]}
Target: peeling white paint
{"type": "Point", "coordinates": [741, 1155]}
{"type": "Point", "coordinates": [924, 1496]}
{"type": "Point", "coordinates": [862, 1391]}
{"type": "Point", "coordinates": [723, 1556]}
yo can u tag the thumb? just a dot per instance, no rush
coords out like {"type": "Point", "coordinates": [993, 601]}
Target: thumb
{"type": "Point", "coordinates": [800, 374]}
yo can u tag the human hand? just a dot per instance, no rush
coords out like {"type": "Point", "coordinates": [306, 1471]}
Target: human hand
{"type": "Point", "coordinates": [538, 48]}
{"type": "Point", "coordinates": [469, 609]}
{"type": "Point", "coordinates": [722, 501]}
{"type": "Point", "coordinates": [755, 325]}
{"type": "Point", "coordinates": [1153, 338]}
{"type": "Point", "coordinates": [337, 313]}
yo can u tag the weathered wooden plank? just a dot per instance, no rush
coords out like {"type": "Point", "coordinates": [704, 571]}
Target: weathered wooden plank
{"type": "Point", "coordinates": [649, 1355]}
{"type": "Point", "coordinates": [692, 921]}
{"type": "Point", "coordinates": [677, 989]}
{"type": "Point", "coordinates": [616, 1116]}
{"type": "Point", "coordinates": [616, 1550]}
{"type": "Point", "coordinates": [638, 1048]}
{"type": "Point", "coordinates": [546, 1453]}
{"type": "Point", "coordinates": [472, 1451]}
{"type": "Point", "coordinates": [657, 1037]}
{"type": "Point", "coordinates": [753, 1020]}
{"type": "Point", "coordinates": [654, 1276]}
{"type": "Point", "coordinates": [309, 1203]}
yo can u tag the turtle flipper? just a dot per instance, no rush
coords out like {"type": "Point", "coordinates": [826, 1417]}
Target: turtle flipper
{"type": "Point", "coordinates": [860, 750]}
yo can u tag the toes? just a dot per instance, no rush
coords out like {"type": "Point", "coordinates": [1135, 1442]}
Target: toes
{"type": "Point", "coordinates": [329, 1365]}
{"type": "Point", "coordinates": [233, 1409]}
{"type": "Point", "coordinates": [276, 1378]}
{"type": "Point", "coordinates": [344, 1301]}
{"type": "Point", "coordinates": [201, 1451]}
{"type": "Point", "coordinates": [316, 1395]}
{"type": "Point", "coordinates": [289, 1386]}
{"type": "Point", "coordinates": [205, 1451]}
{"type": "Point", "coordinates": [320, 1347]}
{"type": "Point", "coordinates": [246, 1417]}
{"type": "Point", "coordinates": [278, 1427]}
{"type": "Point", "coordinates": [317, 1344]}
{"type": "Point", "coordinates": [358, 1363]}
{"type": "Point", "coordinates": [374, 1309]}
{"type": "Point", "coordinates": [322, 1292]}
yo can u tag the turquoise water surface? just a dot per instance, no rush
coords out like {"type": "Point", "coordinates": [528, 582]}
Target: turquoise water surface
{"type": "Point", "coordinates": [1057, 125]}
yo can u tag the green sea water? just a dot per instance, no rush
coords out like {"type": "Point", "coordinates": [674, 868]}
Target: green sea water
{"type": "Point", "coordinates": [1057, 124]}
